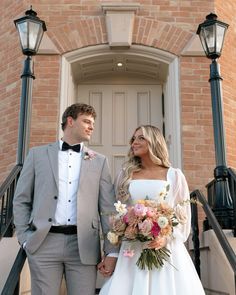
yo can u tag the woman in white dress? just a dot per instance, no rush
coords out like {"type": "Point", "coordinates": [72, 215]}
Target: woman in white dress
{"type": "Point", "coordinates": [146, 174]}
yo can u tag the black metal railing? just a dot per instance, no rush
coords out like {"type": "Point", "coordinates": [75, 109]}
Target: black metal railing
{"type": "Point", "coordinates": [7, 190]}
{"type": "Point", "coordinates": [232, 188]}
{"type": "Point", "coordinates": [195, 235]}
{"type": "Point", "coordinates": [12, 285]}
{"type": "Point", "coordinates": [229, 252]}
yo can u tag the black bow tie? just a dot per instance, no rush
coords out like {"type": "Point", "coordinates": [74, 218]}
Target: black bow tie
{"type": "Point", "coordinates": [66, 146]}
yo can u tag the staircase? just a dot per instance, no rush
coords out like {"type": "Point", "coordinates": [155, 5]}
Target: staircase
{"type": "Point", "coordinates": [217, 275]}
{"type": "Point", "coordinates": [213, 253]}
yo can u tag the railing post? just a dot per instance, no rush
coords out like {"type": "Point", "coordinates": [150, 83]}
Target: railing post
{"type": "Point", "coordinates": [12, 285]}
{"type": "Point", "coordinates": [195, 236]}
{"type": "Point", "coordinates": [17, 289]}
{"type": "Point", "coordinates": [232, 188]}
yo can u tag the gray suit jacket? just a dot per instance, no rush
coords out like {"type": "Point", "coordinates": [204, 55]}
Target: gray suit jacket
{"type": "Point", "coordinates": [36, 194]}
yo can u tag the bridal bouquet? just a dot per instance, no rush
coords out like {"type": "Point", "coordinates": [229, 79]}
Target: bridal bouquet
{"type": "Point", "coordinates": [145, 221]}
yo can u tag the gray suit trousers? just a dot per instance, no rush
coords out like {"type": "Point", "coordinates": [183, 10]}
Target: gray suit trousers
{"type": "Point", "coordinates": [57, 256]}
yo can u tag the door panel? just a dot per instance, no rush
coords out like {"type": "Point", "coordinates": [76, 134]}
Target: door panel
{"type": "Point", "coordinates": [120, 110]}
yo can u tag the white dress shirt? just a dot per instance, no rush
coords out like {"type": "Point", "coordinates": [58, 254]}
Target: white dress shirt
{"type": "Point", "coordinates": [69, 163]}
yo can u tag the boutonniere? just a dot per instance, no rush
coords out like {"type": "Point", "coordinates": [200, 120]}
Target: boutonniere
{"type": "Point", "coordinates": [89, 155]}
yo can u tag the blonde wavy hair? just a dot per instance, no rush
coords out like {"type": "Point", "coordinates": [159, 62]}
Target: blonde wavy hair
{"type": "Point", "coordinates": [158, 154]}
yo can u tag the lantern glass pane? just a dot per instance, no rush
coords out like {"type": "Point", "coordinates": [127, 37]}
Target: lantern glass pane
{"type": "Point", "coordinates": [202, 38]}
{"type": "Point", "coordinates": [220, 33]}
{"type": "Point", "coordinates": [40, 36]}
{"type": "Point", "coordinates": [210, 38]}
{"type": "Point", "coordinates": [34, 29]}
{"type": "Point", "coordinates": [23, 29]}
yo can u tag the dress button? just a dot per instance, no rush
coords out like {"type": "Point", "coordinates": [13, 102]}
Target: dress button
{"type": "Point", "coordinates": [68, 219]}
{"type": "Point", "coordinates": [50, 219]}
{"type": "Point", "coordinates": [69, 201]}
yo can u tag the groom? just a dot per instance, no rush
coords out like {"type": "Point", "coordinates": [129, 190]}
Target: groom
{"type": "Point", "coordinates": [62, 191]}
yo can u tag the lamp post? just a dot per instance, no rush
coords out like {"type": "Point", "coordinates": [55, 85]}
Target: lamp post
{"type": "Point", "coordinates": [30, 29]}
{"type": "Point", "coordinates": [212, 33]}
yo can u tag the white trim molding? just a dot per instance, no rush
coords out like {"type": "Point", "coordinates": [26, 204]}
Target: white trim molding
{"type": "Point", "coordinates": [172, 89]}
{"type": "Point", "coordinates": [120, 23]}
{"type": "Point", "coordinates": [67, 94]}
{"type": "Point", "coordinates": [172, 114]}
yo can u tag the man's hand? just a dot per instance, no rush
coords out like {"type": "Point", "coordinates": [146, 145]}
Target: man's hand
{"type": "Point", "coordinates": [158, 243]}
{"type": "Point", "coordinates": [107, 266]}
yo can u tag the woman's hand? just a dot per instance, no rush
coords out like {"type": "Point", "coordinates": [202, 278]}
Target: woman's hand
{"type": "Point", "coordinates": [158, 243]}
{"type": "Point", "coordinates": [107, 266]}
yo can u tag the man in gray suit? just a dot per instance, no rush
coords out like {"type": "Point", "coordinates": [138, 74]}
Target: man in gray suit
{"type": "Point", "coordinates": [62, 191]}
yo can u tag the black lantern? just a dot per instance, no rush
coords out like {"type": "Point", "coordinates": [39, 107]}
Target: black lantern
{"type": "Point", "coordinates": [31, 30]}
{"type": "Point", "coordinates": [212, 34]}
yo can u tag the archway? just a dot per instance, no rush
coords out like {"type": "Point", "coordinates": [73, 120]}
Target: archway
{"type": "Point", "coordinates": [142, 62]}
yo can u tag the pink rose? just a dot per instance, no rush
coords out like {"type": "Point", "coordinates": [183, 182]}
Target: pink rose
{"type": "Point", "coordinates": [140, 210]}
{"type": "Point", "coordinates": [145, 227]}
{"type": "Point", "coordinates": [155, 229]}
{"type": "Point", "coordinates": [150, 212]}
{"type": "Point", "coordinates": [126, 218]}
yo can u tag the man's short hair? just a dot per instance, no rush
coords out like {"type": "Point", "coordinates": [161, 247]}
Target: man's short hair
{"type": "Point", "coordinates": [77, 109]}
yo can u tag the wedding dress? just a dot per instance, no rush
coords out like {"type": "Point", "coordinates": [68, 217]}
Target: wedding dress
{"type": "Point", "coordinates": [178, 276]}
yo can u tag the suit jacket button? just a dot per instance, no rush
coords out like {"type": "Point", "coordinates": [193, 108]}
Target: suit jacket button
{"type": "Point", "coordinates": [33, 227]}
{"type": "Point", "coordinates": [50, 219]}
{"type": "Point", "coordinates": [55, 197]}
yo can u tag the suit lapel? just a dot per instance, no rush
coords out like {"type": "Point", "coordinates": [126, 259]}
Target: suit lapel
{"type": "Point", "coordinates": [86, 166]}
{"type": "Point", "coordinates": [53, 159]}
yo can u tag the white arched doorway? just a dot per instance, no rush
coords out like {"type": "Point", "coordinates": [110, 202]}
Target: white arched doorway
{"type": "Point", "coordinates": [145, 90]}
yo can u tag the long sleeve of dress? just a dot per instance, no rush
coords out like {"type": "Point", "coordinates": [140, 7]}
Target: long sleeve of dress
{"type": "Point", "coordinates": [182, 204]}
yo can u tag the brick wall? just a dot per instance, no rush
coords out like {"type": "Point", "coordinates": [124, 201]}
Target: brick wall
{"type": "Point", "coordinates": [72, 24]}
{"type": "Point", "coordinates": [197, 127]}
{"type": "Point", "coordinates": [45, 102]}
{"type": "Point", "coordinates": [10, 71]}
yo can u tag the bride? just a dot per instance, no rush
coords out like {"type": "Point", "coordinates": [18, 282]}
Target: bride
{"type": "Point", "coordinates": [146, 174]}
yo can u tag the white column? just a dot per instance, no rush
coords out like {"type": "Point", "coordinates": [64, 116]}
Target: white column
{"type": "Point", "coordinates": [172, 111]}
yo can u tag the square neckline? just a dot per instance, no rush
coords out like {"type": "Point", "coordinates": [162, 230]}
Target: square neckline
{"type": "Point", "coordinates": [166, 180]}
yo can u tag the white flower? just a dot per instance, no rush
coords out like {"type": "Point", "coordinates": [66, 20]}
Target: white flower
{"type": "Point", "coordinates": [163, 193]}
{"type": "Point", "coordinates": [162, 221]}
{"type": "Point", "coordinates": [120, 208]}
{"type": "Point", "coordinates": [161, 198]}
{"type": "Point", "coordinates": [180, 214]}
{"type": "Point", "coordinates": [112, 237]}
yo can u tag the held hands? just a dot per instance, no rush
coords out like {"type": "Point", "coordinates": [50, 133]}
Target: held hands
{"type": "Point", "coordinates": [107, 266]}
{"type": "Point", "coordinates": [156, 244]}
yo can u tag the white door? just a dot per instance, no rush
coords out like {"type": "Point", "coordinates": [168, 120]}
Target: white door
{"type": "Point", "coordinates": [120, 110]}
